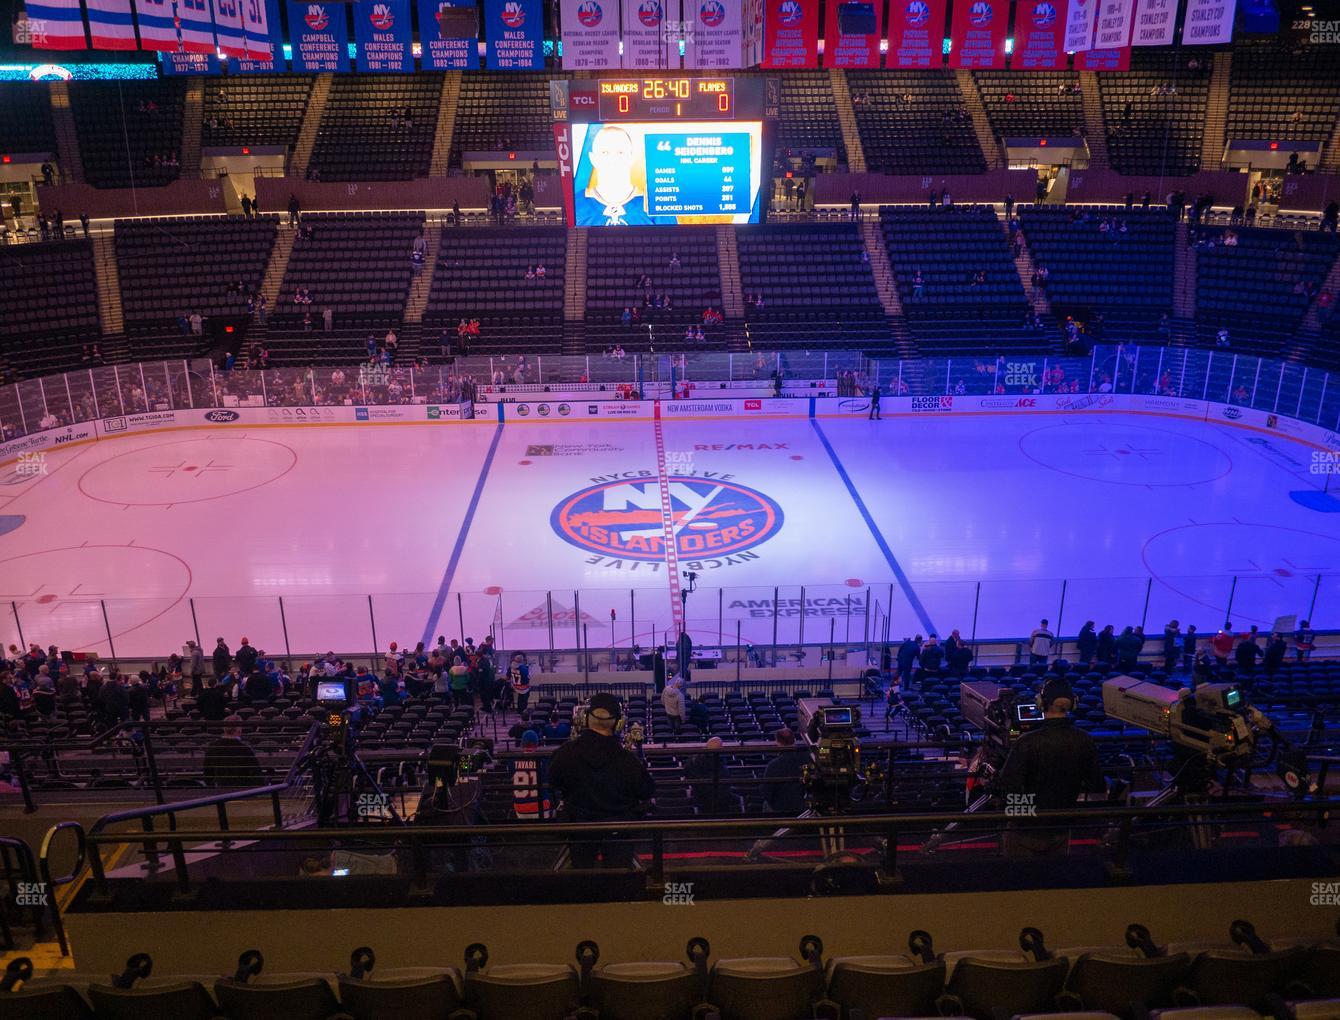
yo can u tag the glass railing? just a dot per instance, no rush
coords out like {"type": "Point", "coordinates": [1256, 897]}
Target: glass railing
{"type": "Point", "coordinates": [829, 616]}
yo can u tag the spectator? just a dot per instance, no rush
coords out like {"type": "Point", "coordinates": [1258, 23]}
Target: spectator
{"type": "Point", "coordinates": [246, 657]}
{"type": "Point", "coordinates": [1222, 644]}
{"type": "Point", "coordinates": [518, 679]}
{"type": "Point", "coordinates": [1276, 649]}
{"type": "Point", "coordinates": [783, 789]}
{"type": "Point", "coordinates": [1304, 640]}
{"type": "Point", "coordinates": [222, 659]}
{"type": "Point", "coordinates": [1247, 653]}
{"type": "Point", "coordinates": [1128, 647]}
{"type": "Point", "coordinates": [675, 704]}
{"type": "Point", "coordinates": [327, 319]}
{"type": "Point", "coordinates": [1087, 643]}
{"type": "Point", "coordinates": [931, 656]}
{"type": "Point", "coordinates": [246, 206]}
{"type": "Point", "coordinates": [1040, 645]}
{"type": "Point", "coordinates": [1189, 648]}
{"type": "Point", "coordinates": [1171, 645]}
{"type": "Point", "coordinates": [230, 762]}
{"type": "Point", "coordinates": [294, 210]}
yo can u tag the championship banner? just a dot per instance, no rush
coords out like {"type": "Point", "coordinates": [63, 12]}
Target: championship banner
{"type": "Point", "coordinates": [1207, 22]}
{"type": "Point", "coordinates": [178, 63]}
{"type": "Point", "coordinates": [1038, 34]}
{"type": "Point", "coordinates": [458, 49]}
{"type": "Point", "coordinates": [382, 30]}
{"type": "Point", "coordinates": [751, 33]}
{"type": "Point", "coordinates": [852, 33]}
{"type": "Point", "coordinates": [56, 25]}
{"type": "Point", "coordinates": [645, 46]}
{"type": "Point", "coordinates": [1105, 60]}
{"type": "Point", "coordinates": [978, 33]}
{"type": "Point", "coordinates": [1111, 38]}
{"type": "Point", "coordinates": [713, 38]}
{"type": "Point", "coordinates": [263, 60]}
{"type": "Point", "coordinates": [514, 30]}
{"type": "Point", "coordinates": [228, 27]}
{"type": "Point", "coordinates": [320, 37]}
{"type": "Point", "coordinates": [1155, 23]}
{"type": "Point", "coordinates": [791, 33]}
{"type": "Point", "coordinates": [916, 33]}
{"type": "Point", "coordinates": [1080, 21]}
{"type": "Point", "coordinates": [590, 34]}
{"type": "Point", "coordinates": [258, 29]}
{"type": "Point", "coordinates": [158, 25]}
{"type": "Point", "coordinates": [110, 25]}
{"type": "Point", "coordinates": [197, 26]}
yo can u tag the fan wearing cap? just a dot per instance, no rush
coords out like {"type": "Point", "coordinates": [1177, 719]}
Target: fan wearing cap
{"type": "Point", "coordinates": [1047, 770]}
{"type": "Point", "coordinates": [599, 781]}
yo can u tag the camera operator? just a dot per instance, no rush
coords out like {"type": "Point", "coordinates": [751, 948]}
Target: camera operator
{"type": "Point", "coordinates": [600, 781]}
{"type": "Point", "coordinates": [1047, 770]}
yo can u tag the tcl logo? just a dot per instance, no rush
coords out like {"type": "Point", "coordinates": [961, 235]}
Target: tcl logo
{"type": "Point", "coordinates": [582, 99]}
{"type": "Point", "coordinates": [753, 405]}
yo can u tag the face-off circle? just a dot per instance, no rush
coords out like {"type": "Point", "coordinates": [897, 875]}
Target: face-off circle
{"type": "Point", "coordinates": [187, 471]}
{"type": "Point", "coordinates": [60, 591]}
{"type": "Point", "coordinates": [1124, 454]}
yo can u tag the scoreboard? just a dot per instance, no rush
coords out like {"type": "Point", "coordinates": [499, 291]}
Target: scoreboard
{"type": "Point", "coordinates": [670, 149]}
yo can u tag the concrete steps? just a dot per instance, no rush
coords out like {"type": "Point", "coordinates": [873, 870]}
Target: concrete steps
{"type": "Point", "coordinates": [193, 112]}
{"type": "Point", "coordinates": [1216, 112]}
{"type": "Point", "coordinates": [71, 164]}
{"type": "Point", "coordinates": [446, 124]}
{"type": "Point", "coordinates": [886, 286]}
{"type": "Point", "coordinates": [1095, 127]}
{"type": "Point", "coordinates": [728, 265]}
{"type": "Point", "coordinates": [1024, 266]}
{"type": "Point", "coordinates": [1184, 274]}
{"type": "Point", "coordinates": [986, 136]}
{"type": "Point", "coordinates": [109, 284]}
{"type": "Point", "coordinates": [423, 283]}
{"type": "Point", "coordinates": [851, 136]}
{"type": "Point", "coordinates": [311, 124]}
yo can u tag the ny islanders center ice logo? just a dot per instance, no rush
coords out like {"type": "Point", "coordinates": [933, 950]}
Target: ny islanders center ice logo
{"type": "Point", "coordinates": [589, 13]}
{"type": "Point", "coordinates": [316, 17]}
{"type": "Point", "coordinates": [625, 519]}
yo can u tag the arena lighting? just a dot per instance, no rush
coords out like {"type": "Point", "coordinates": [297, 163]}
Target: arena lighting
{"type": "Point", "coordinates": [1042, 142]}
{"type": "Point", "coordinates": [511, 155]}
{"type": "Point", "coordinates": [227, 329]}
{"type": "Point", "coordinates": [6, 159]}
{"type": "Point", "coordinates": [1274, 146]}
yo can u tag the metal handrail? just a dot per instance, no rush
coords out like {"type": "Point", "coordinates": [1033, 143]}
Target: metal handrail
{"type": "Point", "coordinates": [44, 859]}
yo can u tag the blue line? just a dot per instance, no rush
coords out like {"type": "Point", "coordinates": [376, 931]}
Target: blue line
{"type": "Point", "coordinates": [455, 560]}
{"type": "Point", "coordinates": [897, 569]}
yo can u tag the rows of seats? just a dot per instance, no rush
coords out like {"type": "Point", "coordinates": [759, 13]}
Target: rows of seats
{"type": "Point", "coordinates": [25, 119]}
{"type": "Point", "coordinates": [1260, 287]}
{"type": "Point", "coordinates": [255, 109]}
{"type": "Point", "coordinates": [1155, 112]}
{"type": "Point", "coordinates": [808, 124]}
{"type": "Point", "coordinates": [948, 247]}
{"type": "Point", "coordinates": [1031, 103]}
{"type": "Point", "coordinates": [123, 126]}
{"type": "Point", "coordinates": [1127, 277]}
{"type": "Point", "coordinates": [1230, 978]}
{"type": "Point", "coordinates": [1282, 92]}
{"type": "Point", "coordinates": [481, 274]}
{"type": "Point", "coordinates": [58, 311]}
{"type": "Point", "coordinates": [362, 136]}
{"type": "Point", "coordinates": [500, 112]}
{"type": "Point", "coordinates": [358, 265]}
{"type": "Point", "coordinates": [171, 268]}
{"type": "Point", "coordinates": [909, 123]}
{"type": "Point", "coordinates": [815, 286]}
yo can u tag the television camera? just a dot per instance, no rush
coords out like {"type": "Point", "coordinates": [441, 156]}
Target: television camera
{"type": "Point", "coordinates": [1002, 717]}
{"type": "Point", "coordinates": [1211, 727]}
{"type": "Point", "coordinates": [342, 787]}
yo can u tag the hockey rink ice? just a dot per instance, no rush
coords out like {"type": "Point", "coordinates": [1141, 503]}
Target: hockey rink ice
{"type": "Point", "coordinates": [425, 529]}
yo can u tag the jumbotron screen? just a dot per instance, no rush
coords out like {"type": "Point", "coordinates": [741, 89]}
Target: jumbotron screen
{"type": "Point", "coordinates": [636, 173]}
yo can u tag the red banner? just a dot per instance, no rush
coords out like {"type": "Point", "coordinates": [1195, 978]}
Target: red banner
{"type": "Point", "coordinates": [978, 33]}
{"type": "Point", "coordinates": [916, 33]}
{"type": "Point", "coordinates": [790, 33]}
{"type": "Point", "coordinates": [853, 48]}
{"type": "Point", "coordinates": [1038, 36]}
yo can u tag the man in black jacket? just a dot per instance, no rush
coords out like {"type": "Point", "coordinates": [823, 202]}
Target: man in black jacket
{"type": "Point", "coordinates": [1047, 769]}
{"type": "Point", "coordinates": [213, 702]}
{"type": "Point", "coordinates": [229, 762]}
{"type": "Point", "coordinates": [246, 658]}
{"type": "Point", "coordinates": [223, 658]}
{"type": "Point", "coordinates": [600, 781]}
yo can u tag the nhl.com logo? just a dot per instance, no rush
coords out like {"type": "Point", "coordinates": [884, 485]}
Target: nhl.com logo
{"type": "Point", "coordinates": [1044, 15]}
{"type": "Point", "coordinates": [649, 12]}
{"type": "Point", "coordinates": [625, 519]}
{"type": "Point", "coordinates": [513, 14]}
{"type": "Point", "coordinates": [790, 12]}
{"type": "Point", "coordinates": [979, 14]}
{"type": "Point", "coordinates": [316, 18]}
{"type": "Point", "coordinates": [917, 13]}
{"type": "Point", "coordinates": [712, 13]}
{"type": "Point", "coordinates": [589, 13]}
{"type": "Point", "coordinates": [381, 17]}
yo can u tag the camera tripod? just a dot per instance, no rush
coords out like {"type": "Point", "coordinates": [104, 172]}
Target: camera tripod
{"type": "Point", "coordinates": [832, 838]}
{"type": "Point", "coordinates": [335, 771]}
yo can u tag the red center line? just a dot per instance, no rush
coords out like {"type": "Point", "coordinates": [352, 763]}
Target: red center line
{"type": "Point", "coordinates": [668, 524]}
